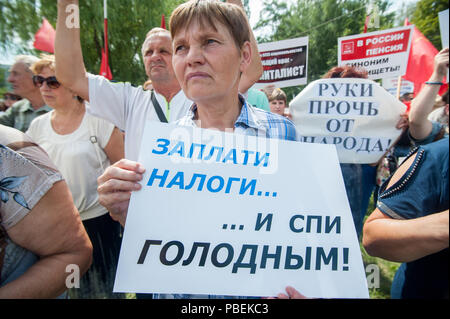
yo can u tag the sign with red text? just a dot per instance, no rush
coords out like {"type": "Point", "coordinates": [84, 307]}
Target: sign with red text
{"type": "Point", "coordinates": [237, 215]}
{"type": "Point", "coordinates": [356, 115]}
{"type": "Point", "coordinates": [383, 54]}
{"type": "Point", "coordinates": [285, 63]}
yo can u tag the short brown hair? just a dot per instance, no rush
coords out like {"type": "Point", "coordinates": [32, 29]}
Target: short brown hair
{"type": "Point", "coordinates": [278, 94]}
{"type": "Point", "coordinates": [208, 13]}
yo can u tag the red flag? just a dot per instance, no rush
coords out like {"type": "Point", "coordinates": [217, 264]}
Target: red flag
{"type": "Point", "coordinates": [366, 23]}
{"type": "Point", "coordinates": [105, 70]}
{"type": "Point", "coordinates": [163, 21]}
{"type": "Point", "coordinates": [421, 61]}
{"type": "Point", "coordinates": [104, 67]}
{"type": "Point", "coordinates": [44, 39]}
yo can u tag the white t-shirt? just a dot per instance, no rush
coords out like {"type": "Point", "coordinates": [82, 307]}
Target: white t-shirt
{"type": "Point", "coordinates": [129, 108]}
{"type": "Point", "coordinates": [77, 158]}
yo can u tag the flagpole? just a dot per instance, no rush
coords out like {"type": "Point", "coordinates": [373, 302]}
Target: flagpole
{"type": "Point", "coordinates": [105, 14]}
{"type": "Point", "coordinates": [399, 84]}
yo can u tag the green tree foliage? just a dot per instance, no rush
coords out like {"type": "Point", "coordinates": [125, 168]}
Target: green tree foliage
{"type": "Point", "coordinates": [406, 11]}
{"type": "Point", "coordinates": [128, 23]}
{"type": "Point", "coordinates": [323, 21]}
{"type": "Point", "coordinates": [426, 19]}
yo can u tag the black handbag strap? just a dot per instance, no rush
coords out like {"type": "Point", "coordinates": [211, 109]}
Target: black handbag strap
{"type": "Point", "coordinates": [158, 109]}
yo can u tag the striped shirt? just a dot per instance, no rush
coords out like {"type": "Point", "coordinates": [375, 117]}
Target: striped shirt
{"type": "Point", "coordinates": [253, 122]}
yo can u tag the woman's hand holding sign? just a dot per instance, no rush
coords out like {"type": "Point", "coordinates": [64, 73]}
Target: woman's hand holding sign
{"type": "Point", "coordinates": [115, 186]}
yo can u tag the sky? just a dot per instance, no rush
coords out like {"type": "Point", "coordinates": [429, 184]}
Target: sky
{"type": "Point", "coordinates": [255, 9]}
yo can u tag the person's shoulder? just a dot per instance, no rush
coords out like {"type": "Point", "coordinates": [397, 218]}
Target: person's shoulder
{"type": "Point", "coordinates": [100, 127]}
{"type": "Point", "coordinates": [43, 117]}
{"type": "Point", "coordinates": [100, 80]}
{"type": "Point", "coordinates": [271, 118]}
{"type": "Point", "coordinates": [25, 146]}
{"type": "Point", "coordinates": [94, 120]}
{"type": "Point", "coordinates": [10, 135]}
{"type": "Point", "coordinates": [20, 105]}
{"type": "Point", "coordinates": [277, 125]}
{"type": "Point", "coordinates": [27, 170]}
{"type": "Point", "coordinates": [438, 150]}
{"type": "Point", "coordinates": [38, 122]}
{"type": "Point", "coordinates": [256, 92]}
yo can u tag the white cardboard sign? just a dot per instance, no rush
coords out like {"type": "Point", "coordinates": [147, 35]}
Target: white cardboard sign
{"type": "Point", "coordinates": [383, 53]}
{"type": "Point", "coordinates": [356, 115]}
{"type": "Point", "coordinates": [391, 85]}
{"type": "Point", "coordinates": [443, 27]}
{"type": "Point", "coordinates": [240, 215]}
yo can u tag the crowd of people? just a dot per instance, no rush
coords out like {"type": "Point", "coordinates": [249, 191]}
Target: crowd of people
{"type": "Point", "coordinates": [69, 145]}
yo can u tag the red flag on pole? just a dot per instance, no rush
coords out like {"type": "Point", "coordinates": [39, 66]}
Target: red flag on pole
{"type": "Point", "coordinates": [163, 21]}
{"type": "Point", "coordinates": [105, 70]}
{"type": "Point", "coordinates": [44, 39]}
{"type": "Point", "coordinates": [104, 67]}
{"type": "Point", "coordinates": [421, 61]}
{"type": "Point", "coordinates": [366, 23]}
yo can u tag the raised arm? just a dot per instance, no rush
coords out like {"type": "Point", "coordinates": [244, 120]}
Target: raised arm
{"type": "Point", "coordinates": [419, 125]}
{"type": "Point", "coordinates": [255, 69]}
{"type": "Point", "coordinates": [70, 70]}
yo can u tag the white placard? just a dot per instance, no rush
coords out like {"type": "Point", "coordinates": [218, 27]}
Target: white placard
{"type": "Point", "coordinates": [443, 26]}
{"type": "Point", "coordinates": [285, 63]}
{"type": "Point", "coordinates": [391, 85]}
{"type": "Point", "coordinates": [383, 53]}
{"type": "Point", "coordinates": [356, 115]}
{"type": "Point", "coordinates": [262, 214]}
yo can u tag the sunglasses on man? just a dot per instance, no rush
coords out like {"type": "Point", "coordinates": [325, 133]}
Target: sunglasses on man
{"type": "Point", "coordinates": [51, 81]}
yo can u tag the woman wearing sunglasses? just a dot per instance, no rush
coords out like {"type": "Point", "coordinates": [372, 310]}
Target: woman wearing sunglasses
{"type": "Point", "coordinates": [81, 146]}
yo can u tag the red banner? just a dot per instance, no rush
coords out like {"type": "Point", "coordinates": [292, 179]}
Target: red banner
{"type": "Point", "coordinates": [375, 45]}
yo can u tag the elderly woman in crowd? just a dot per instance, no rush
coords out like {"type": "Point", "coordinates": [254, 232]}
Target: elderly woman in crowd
{"type": "Point", "coordinates": [211, 50]}
{"type": "Point", "coordinates": [81, 146]}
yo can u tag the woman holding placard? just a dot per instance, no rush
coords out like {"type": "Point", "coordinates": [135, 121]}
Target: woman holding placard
{"type": "Point", "coordinates": [212, 49]}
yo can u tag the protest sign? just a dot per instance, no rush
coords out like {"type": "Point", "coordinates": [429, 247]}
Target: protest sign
{"type": "Point", "coordinates": [443, 26]}
{"type": "Point", "coordinates": [391, 85]}
{"type": "Point", "coordinates": [383, 54]}
{"type": "Point", "coordinates": [230, 214]}
{"type": "Point", "coordinates": [356, 115]}
{"type": "Point", "coordinates": [285, 63]}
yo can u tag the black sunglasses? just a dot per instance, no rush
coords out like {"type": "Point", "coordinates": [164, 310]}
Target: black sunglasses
{"type": "Point", "coordinates": [52, 82]}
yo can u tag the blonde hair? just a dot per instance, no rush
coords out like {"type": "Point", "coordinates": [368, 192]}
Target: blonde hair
{"type": "Point", "coordinates": [46, 61]}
